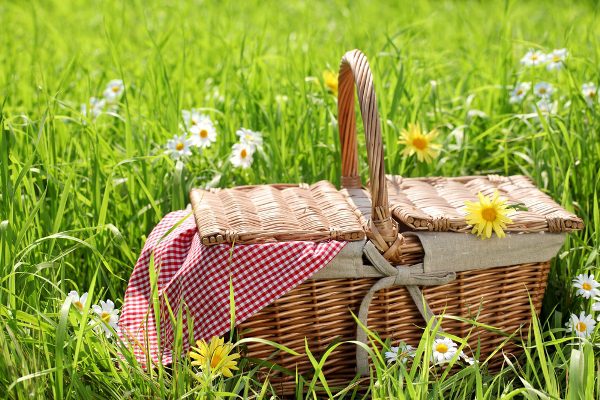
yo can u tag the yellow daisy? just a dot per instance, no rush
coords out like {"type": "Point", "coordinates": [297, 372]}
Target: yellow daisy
{"type": "Point", "coordinates": [487, 214]}
{"type": "Point", "coordinates": [331, 81]}
{"type": "Point", "coordinates": [419, 143]}
{"type": "Point", "coordinates": [214, 357]}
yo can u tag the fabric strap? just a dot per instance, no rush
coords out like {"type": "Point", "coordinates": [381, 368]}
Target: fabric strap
{"type": "Point", "coordinates": [446, 254]}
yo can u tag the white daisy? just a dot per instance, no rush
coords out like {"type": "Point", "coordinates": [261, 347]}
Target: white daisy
{"type": "Point", "coordinates": [583, 325]}
{"type": "Point", "coordinates": [556, 59]}
{"type": "Point", "coordinates": [401, 352]}
{"type": "Point", "coordinates": [93, 108]}
{"type": "Point", "coordinates": [596, 305]}
{"type": "Point", "coordinates": [590, 93]}
{"type": "Point", "coordinates": [467, 359]}
{"type": "Point", "coordinates": [109, 316]}
{"type": "Point", "coordinates": [250, 138]}
{"type": "Point", "coordinates": [203, 132]}
{"type": "Point", "coordinates": [545, 107]}
{"type": "Point", "coordinates": [191, 118]}
{"type": "Point", "coordinates": [114, 90]}
{"type": "Point", "coordinates": [533, 58]}
{"type": "Point", "coordinates": [241, 155]}
{"type": "Point", "coordinates": [586, 285]}
{"type": "Point", "coordinates": [77, 301]}
{"type": "Point", "coordinates": [519, 92]}
{"type": "Point", "coordinates": [543, 89]}
{"type": "Point", "coordinates": [443, 350]}
{"type": "Point", "coordinates": [178, 147]}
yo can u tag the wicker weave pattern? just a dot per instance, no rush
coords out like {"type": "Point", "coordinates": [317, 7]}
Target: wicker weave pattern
{"type": "Point", "coordinates": [438, 204]}
{"type": "Point", "coordinates": [251, 214]}
{"type": "Point", "coordinates": [320, 311]}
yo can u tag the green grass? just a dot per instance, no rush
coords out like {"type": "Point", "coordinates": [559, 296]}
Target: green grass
{"type": "Point", "coordinates": [77, 200]}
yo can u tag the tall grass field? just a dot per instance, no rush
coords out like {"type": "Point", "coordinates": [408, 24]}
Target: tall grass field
{"type": "Point", "coordinates": [91, 159]}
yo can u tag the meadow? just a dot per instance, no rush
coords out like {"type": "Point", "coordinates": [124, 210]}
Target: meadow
{"type": "Point", "coordinates": [81, 188]}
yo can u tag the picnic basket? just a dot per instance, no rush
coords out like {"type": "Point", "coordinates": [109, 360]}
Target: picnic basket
{"type": "Point", "coordinates": [408, 255]}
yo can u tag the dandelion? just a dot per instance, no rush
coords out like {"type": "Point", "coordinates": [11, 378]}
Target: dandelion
{"type": "Point", "coordinates": [203, 132]}
{"type": "Point", "coordinates": [114, 90]}
{"type": "Point", "coordinates": [331, 81]}
{"type": "Point", "coordinates": [93, 108]}
{"type": "Point", "coordinates": [488, 214]}
{"type": "Point", "coordinates": [556, 59]}
{"type": "Point", "coordinates": [178, 147]}
{"type": "Point", "coordinates": [533, 58]}
{"type": "Point", "coordinates": [419, 143]}
{"type": "Point", "coordinates": [399, 353]}
{"type": "Point", "coordinates": [586, 285]}
{"type": "Point", "coordinates": [77, 301]}
{"type": "Point", "coordinates": [250, 138]}
{"type": "Point", "coordinates": [109, 316]}
{"type": "Point", "coordinates": [583, 326]}
{"type": "Point", "coordinates": [543, 90]}
{"type": "Point", "coordinates": [215, 357]}
{"type": "Point", "coordinates": [241, 155]}
{"type": "Point", "coordinates": [590, 93]}
{"type": "Point", "coordinates": [443, 350]}
{"type": "Point", "coordinates": [519, 92]}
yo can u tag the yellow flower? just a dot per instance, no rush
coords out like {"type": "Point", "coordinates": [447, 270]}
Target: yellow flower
{"type": "Point", "coordinates": [488, 214]}
{"type": "Point", "coordinates": [214, 357]}
{"type": "Point", "coordinates": [419, 143]}
{"type": "Point", "coordinates": [331, 81]}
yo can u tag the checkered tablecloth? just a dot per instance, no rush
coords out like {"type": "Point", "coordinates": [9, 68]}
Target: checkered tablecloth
{"type": "Point", "coordinates": [196, 279]}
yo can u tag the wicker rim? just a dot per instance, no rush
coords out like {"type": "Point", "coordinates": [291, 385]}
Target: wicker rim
{"type": "Point", "coordinates": [355, 70]}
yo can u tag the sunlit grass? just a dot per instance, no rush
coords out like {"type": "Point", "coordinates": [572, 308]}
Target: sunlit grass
{"type": "Point", "coordinates": [79, 195]}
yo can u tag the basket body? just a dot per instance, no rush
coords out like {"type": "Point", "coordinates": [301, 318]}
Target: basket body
{"type": "Point", "coordinates": [320, 311]}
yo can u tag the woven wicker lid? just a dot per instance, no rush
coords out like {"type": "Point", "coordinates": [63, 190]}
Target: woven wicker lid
{"type": "Point", "coordinates": [438, 204]}
{"type": "Point", "coordinates": [268, 213]}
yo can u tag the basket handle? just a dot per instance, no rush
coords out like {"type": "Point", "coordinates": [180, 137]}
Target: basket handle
{"type": "Point", "coordinates": [355, 70]}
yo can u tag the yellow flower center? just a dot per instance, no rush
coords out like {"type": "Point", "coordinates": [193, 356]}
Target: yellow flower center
{"type": "Point", "coordinates": [203, 133]}
{"type": "Point", "coordinates": [105, 317]}
{"type": "Point", "coordinates": [542, 90]}
{"type": "Point", "coordinates": [592, 94]}
{"type": "Point", "coordinates": [519, 92]}
{"type": "Point", "coordinates": [489, 214]}
{"type": "Point", "coordinates": [179, 146]}
{"type": "Point", "coordinates": [215, 360]}
{"type": "Point", "coordinates": [586, 286]}
{"type": "Point", "coordinates": [419, 143]}
{"type": "Point", "coordinates": [534, 57]}
{"type": "Point", "coordinates": [581, 327]}
{"type": "Point", "coordinates": [79, 305]}
{"type": "Point", "coordinates": [556, 59]}
{"type": "Point", "coordinates": [243, 153]}
{"type": "Point", "coordinates": [115, 89]}
{"type": "Point", "coordinates": [441, 348]}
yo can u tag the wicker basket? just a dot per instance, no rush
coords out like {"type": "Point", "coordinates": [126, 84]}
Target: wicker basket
{"type": "Point", "coordinates": [319, 310]}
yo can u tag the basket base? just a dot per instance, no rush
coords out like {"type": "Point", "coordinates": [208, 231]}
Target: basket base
{"type": "Point", "coordinates": [320, 312]}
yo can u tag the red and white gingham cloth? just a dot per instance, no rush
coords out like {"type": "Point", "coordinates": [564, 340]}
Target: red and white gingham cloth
{"type": "Point", "coordinates": [196, 277]}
